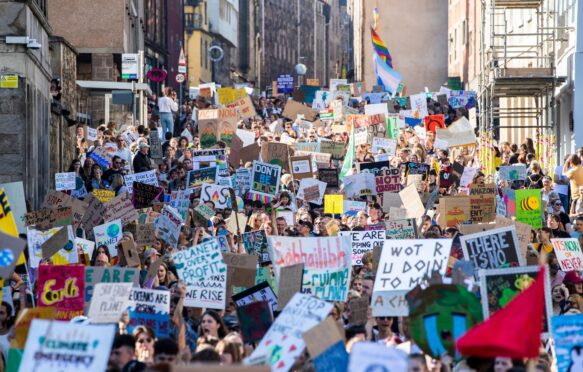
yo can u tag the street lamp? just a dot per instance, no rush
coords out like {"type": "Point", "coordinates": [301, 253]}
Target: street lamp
{"type": "Point", "coordinates": [301, 70]}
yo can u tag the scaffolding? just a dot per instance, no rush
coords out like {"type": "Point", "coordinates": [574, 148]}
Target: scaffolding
{"type": "Point", "coordinates": [518, 76]}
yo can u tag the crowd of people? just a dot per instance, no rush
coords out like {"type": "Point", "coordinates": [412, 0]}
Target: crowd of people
{"type": "Point", "coordinates": [214, 335]}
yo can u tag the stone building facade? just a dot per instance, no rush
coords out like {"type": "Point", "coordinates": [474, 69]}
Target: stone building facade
{"type": "Point", "coordinates": [25, 110]}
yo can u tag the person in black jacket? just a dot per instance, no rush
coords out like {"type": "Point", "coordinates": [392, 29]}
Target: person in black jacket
{"type": "Point", "coordinates": [142, 162]}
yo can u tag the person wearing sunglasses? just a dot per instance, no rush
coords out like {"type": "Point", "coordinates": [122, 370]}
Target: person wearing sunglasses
{"type": "Point", "coordinates": [145, 338]}
{"type": "Point", "coordinates": [115, 168]}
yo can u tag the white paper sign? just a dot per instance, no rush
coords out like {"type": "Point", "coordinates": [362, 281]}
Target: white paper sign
{"type": "Point", "coordinates": [168, 225]}
{"type": "Point", "coordinates": [373, 356]}
{"type": "Point", "coordinates": [36, 238]}
{"type": "Point", "coordinates": [48, 346]}
{"type": "Point", "coordinates": [108, 234]}
{"type": "Point", "coordinates": [468, 176]}
{"type": "Point", "coordinates": [308, 182]}
{"type": "Point", "coordinates": [217, 194]}
{"type": "Point", "coordinates": [109, 301]}
{"type": "Point", "coordinates": [387, 144]}
{"type": "Point", "coordinates": [302, 313]}
{"type": "Point", "coordinates": [404, 264]}
{"type": "Point", "coordinates": [65, 181]}
{"type": "Point", "coordinates": [419, 103]}
{"type": "Point", "coordinates": [91, 134]}
{"type": "Point", "coordinates": [364, 241]}
{"type": "Point", "coordinates": [204, 271]}
{"type": "Point", "coordinates": [148, 177]}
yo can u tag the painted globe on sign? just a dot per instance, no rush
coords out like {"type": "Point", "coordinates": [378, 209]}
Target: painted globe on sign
{"type": "Point", "coordinates": [113, 230]}
{"type": "Point", "coordinates": [6, 257]}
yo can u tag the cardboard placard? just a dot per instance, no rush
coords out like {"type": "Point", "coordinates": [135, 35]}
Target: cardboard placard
{"type": "Point", "coordinates": [276, 153]}
{"type": "Point", "coordinates": [258, 293]}
{"type": "Point", "coordinates": [292, 109]}
{"type": "Point", "coordinates": [100, 274]}
{"type": "Point", "coordinates": [359, 310]}
{"type": "Point", "coordinates": [120, 208]}
{"type": "Point", "coordinates": [290, 283]}
{"type": "Point", "coordinates": [301, 167]}
{"type": "Point", "coordinates": [265, 179]}
{"type": "Point", "coordinates": [328, 175]}
{"type": "Point", "coordinates": [56, 242]}
{"type": "Point", "coordinates": [130, 253]}
{"type": "Point", "coordinates": [529, 207]}
{"type": "Point", "coordinates": [241, 269]}
{"type": "Point", "coordinates": [412, 202]}
{"type": "Point", "coordinates": [145, 194]}
{"type": "Point", "coordinates": [47, 218]}
{"type": "Point", "coordinates": [569, 254]}
{"type": "Point", "coordinates": [255, 319]}
{"type": "Point", "coordinates": [145, 234]}
{"type": "Point", "coordinates": [255, 243]}
{"type": "Point", "coordinates": [322, 337]}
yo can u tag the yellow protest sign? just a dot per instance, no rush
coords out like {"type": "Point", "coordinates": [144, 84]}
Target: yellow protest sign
{"type": "Point", "coordinates": [7, 223]}
{"type": "Point", "coordinates": [228, 95]}
{"type": "Point", "coordinates": [23, 321]}
{"type": "Point", "coordinates": [333, 204]}
{"type": "Point", "coordinates": [103, 195]}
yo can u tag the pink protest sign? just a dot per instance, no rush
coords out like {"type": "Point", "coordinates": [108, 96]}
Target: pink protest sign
{"type": "Point", "coordinates": [62, 288]}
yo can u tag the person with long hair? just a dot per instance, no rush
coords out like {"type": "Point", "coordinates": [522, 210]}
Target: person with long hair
{"type": "Point", "coordinates": [167, 106]}
{"type": "Point", "coordinates": [96, 181]}
{"type": "Point", "coordinates": [212, 325]}
{"type": "Point", "coordinates": [145, 339]}
{"type": "Point", "coordinates": [6, 322]}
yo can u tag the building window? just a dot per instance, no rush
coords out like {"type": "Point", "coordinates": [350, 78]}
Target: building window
{"type": "Point", "coordinates": [201, 52]}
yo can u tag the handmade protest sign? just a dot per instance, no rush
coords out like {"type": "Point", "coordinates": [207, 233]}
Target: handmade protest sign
{"type": "Point", "coordinates": [204, 271]}
{"type": "Point", "coordinates": [439, 315]}
{"type": "Point", "coordinates": [433, 122]}
{"type": "Point", "coordinates": [149, 178]}
{"type": "Point", "coordinates": [359, 309]}
{"type": "Point", "coordinates": [359, 185]}
{"type": "Point", "coordinates": [47, 218]}
{"type": "Point", "coordinates": [14, 192]}
{"type": "Point", "coordinates": [327, 263]}
{"type": "Point", "coordinates": [56, 199]}
{"type": "Point", "coordinates": [352, 207]}
{"type": "Point", "coordinates": [197, 177]}
{"type": "Point", "coordinates": [94, 214]}
{"type": "Point", "coordinates": [290, 283]}
{"type": "Point", "coordinates": [86, 246]}
{"type": "Point", "coordinates": [400, 229]}
{"type": "Point", "coordinates": [276, 153]}
{"type": "Point", "coordinates": [150, 307]}
{"type": "Point", "coordinates": [403, 265]}
{"type": "Point", "coordinates": [145, 234]}
{"type": "Point", "coordinates": [24, 320]}
{"type": "Point", "coordinates": [312, 190]}
{"type": "Point", "coordinates": [63, 288]}
{"type": "Point", "coordinates": [64, 240]}
{"type": "Point", "coordinates": [10, 250]}
{"type": "Point", "coordinates": [108, 234]}
{"type": "Point", "coordinates": [122, 208]}
{"type": "Point", "coordinates": [529, 207]}
{"type": "Point", "coordinates": [86, 346]}
{"type": "Point", "coordinates": [265, 180]}
{"type": "Point", "coordinates": [168, 225]}
{"type": "Point", "coordinates": [37, 238]}
{"type": "Point", "coordinates": [95, 274]}
{"type": "Point", "coordinates": [244, 107]}
{"type": "Point", "coordinates": [262, 292]}
{"type": "Point", "coordinates": [109, 301]}
{"type": "Point", "coordinates": [283, 342]}
{"type": "Point", "coordinates": [65, 181]}
{"type": "Point", "coordinates": [241, 269]}
{"type": "Point", "coordinates": [492, 249]}
{"type": "Point", "coordinates": [333, 204]}
{"type": "Point", "coordinates": [145, 194]}
{"type": "Point", "coordinates": [301, 167]}
{"type": "Point", "coordinates": [219, 195]}
{"type": "Point", "coordinates": [388, 180]}
{"type": "Point", "coordinates": [364, 241]}
{"type": "Point", "coordinates": [328, 175]}
{"type": "Point", "coordinates": [292, 109]}
{"type": "Point", "coordinates": [321, 342]}
{"type": "Point", "coordinates": [499, 286]}
{"type": "Point", "coordinates": [255, 319]}
{"type": "Point", "coordinates": [373, 356]}
{"type": "Point", "coordinates": [255, 243]}
{"type": "Point", "coordinates": [454, 210]}
{"type": "Point", "coordinates": [411, 201]}
{"type": "Point", "coordinates": [512, 172]}
{"type": "Point", "coordinates": [483, 208]}
{"type": "Point", "coordinates": [567, 331]}
{"type": "Point", "coordinates": [129, 253]}
{"type": "Point", "coordinates": [569, 255]}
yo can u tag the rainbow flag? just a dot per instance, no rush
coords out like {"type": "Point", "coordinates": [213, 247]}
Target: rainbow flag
{"type": "Point", "coordinates": [381, 48]}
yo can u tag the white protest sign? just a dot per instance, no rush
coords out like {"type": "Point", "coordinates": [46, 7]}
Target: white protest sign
{"type": "Point", "coordinates": [36, 238]}
{"type": "Point", "coordinates": [569, 254]}
{"type": "Point", "coordinates": [403, 265]}
{"type": "Point", "coordinates": [387, 144]}
{"type": "Point", "coordinates": [419, 103]}
{"type": "Point", "coordinates": [364, 241]}
{"type": "Point", "coordinates": [109, 301]}
{"type": "Point", "coordinates": [204, 271]}
{"type": "Point", "coordinates": [327, 263]}
{"type": "Point", "coordinates": [150, 307]}
{"type": "Point", "coordinates": [440, 144]}
{"type": "Point", "coordinates": [376, 108]}
{"type": "Point", "coordinates": [64, 346]}
{"type": "Point", "coordinates": [309, 182]}
{"type": "Point", "coordinates": [168, 225]}
{"type": "Point", "coordinates": [302, 313]}
{"type": "Point", "coordinates": [108, 234]}
{"type": "Point", "coordinates": [65, 181]}
{"type": "Point", "coordinates": [148, 177]}
{"type": "Point", "coordinates": [352, 207]}
{"type": "Point", "coordinates": [87, 246]}
{"type": "Point", "coordinates": [360, 184]}
{"type": "Point", "coordinates": [468, 176]}
{"type": "Point", "coordinates": [217, 194]}
{"type": "Point", "coordinates": [374, 356]}
{"type": "Point", "coordinates": [91, 134]}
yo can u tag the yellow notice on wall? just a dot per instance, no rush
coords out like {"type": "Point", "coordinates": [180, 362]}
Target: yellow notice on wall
{"type": "Point", "coordinates": [9, 81]}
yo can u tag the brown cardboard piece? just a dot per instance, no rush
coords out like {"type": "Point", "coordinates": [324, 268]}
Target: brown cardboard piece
{"type": "Point", "coordinates": [523, 232]}
{"type": "Point", "coordinates": [153, 269]}
{"type": "Point", "coordinates": [290, 282]}
{"type": "Point", "coordinates": [359, 310]}
{"type": "Point", "coordinates": [47, 218]}
{"type": "Point", "coordinates": [293, 108]}
{"type": "Point", "coordinates": [276, 153]}
{"type": "Point", "coordinates": [130, 253]}
{"type": "Point", "coordinates": [322, 336]}
{"type": "Point", "coordinates": [250, 153]}
{"type": "Point", "coordinates": [241, 269]}
{"type": "Point", "coordinates": [145, 234]}
{"type": "Point", "coordinates": [55, 243]}
{"type": "Point", "coordinates": [300, 164]}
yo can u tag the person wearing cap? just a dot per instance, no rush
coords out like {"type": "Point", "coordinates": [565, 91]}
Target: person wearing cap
{"type": "Point", "coordinates": [142, 162]}
{"type": "Point", "coordinates": [574, 282]}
